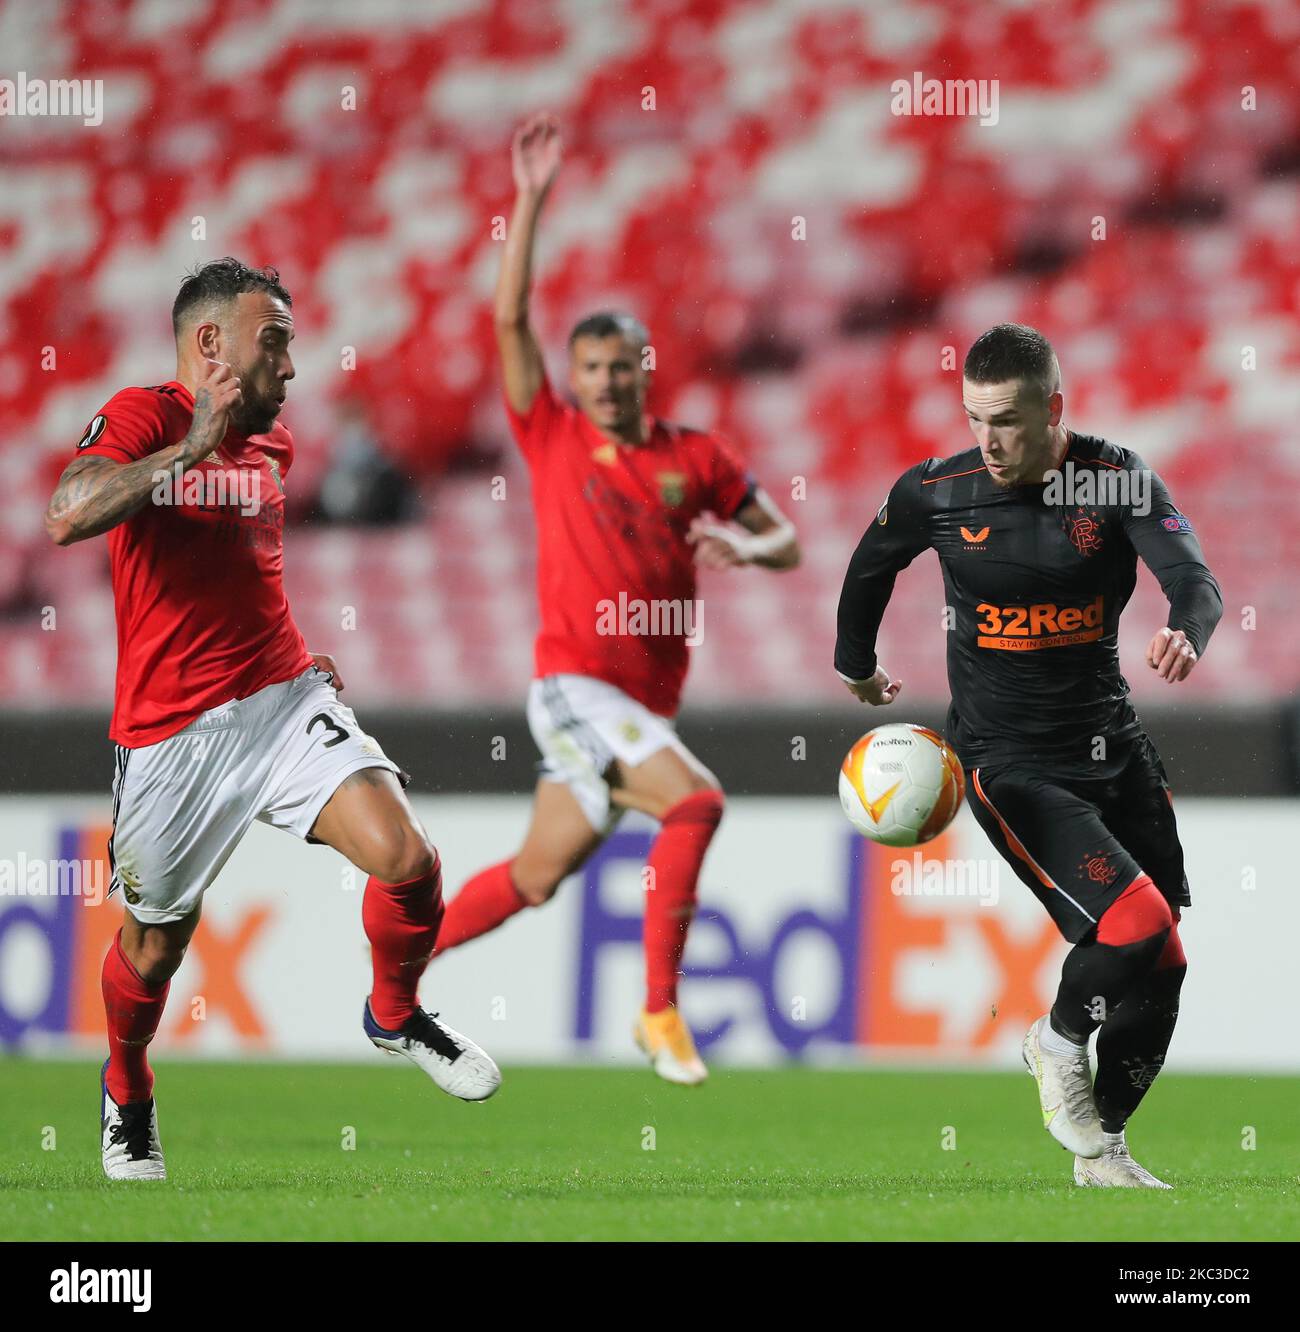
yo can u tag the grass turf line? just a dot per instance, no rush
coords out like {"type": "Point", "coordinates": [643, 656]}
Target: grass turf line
{"type": "Point", "coordinates": [256, 1152]}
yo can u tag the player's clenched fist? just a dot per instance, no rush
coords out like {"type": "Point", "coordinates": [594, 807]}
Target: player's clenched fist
{"type": "Point", "coordinates": [216, 395]}
{"type": "Point", "coordinates": [715, 546]}
{"type": "Point", "coordinates": [1171, 655]}
{"type": "Point", "coordinates": [879, 689]}
{"type": "Point", "coordinates": [535, 154]}
{"type": "Point", "coordinates": [324, 662]}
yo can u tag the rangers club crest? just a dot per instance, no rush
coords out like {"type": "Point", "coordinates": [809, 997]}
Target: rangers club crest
{"type": "Point", "coordinates": [1084, 531]}
{"type": "Point", "coordinates": [1098, 868]}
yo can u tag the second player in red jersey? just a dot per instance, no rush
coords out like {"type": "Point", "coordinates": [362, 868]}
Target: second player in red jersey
{"type": "Point", "coordinates": [613, 534]}
{"type": "Point", "coordinates": [627, 508]}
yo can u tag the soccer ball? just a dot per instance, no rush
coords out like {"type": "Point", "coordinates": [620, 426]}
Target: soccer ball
{"type": "Point", "coordinates": [901, 784]}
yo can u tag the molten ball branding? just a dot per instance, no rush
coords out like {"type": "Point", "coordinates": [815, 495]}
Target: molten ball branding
{"type": "Point", "coordinates": [901, 785]}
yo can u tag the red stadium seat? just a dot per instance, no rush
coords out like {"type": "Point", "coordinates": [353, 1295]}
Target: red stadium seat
{"type": "Point", "coordinates": [824, 356]}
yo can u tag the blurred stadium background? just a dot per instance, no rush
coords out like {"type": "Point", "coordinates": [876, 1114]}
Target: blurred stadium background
{"type": "Point", "coordinates": [803, 258]}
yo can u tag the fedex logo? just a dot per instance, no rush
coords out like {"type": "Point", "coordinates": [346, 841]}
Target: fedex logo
{"type": "Point", "coordinates": [52, 951]}
{"type": "Point", "coordinates": [912, 973]}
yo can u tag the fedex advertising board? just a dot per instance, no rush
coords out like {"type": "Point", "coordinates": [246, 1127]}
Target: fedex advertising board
{"type": "Point", "coordinates": [810, 943]}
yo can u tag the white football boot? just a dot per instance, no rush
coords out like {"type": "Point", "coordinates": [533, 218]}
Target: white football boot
{"type": "Point", "coordinates": [453, 1061]}
{"type": "Point", "coordinates": [131, 1146]}
{"type": "Point", "coordinates": [1115, 1169]}
{"type": "Point", "coordinates": [1065, 1095]}
{"type": "Point", "coordinates": [666, 1039]}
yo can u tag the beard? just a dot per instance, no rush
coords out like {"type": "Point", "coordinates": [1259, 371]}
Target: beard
{"type": "Point", "coordinates": [253, 418]}
{"type": "Point", "coordinates": [1006, 481]}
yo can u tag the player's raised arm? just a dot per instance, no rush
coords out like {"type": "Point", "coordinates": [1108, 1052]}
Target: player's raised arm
{"type": "Point", "coordinates": [896, 536]}
{"type": "Point", "coordinates": [1164, 540]}
{"type": "Point", "coordinates": [535, 158]}
{"type": "Point", "coordinates": [95, 493]}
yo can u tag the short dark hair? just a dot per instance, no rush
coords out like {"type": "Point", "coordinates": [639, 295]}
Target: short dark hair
{"type": "Point", "coordinates": [1012, 351]}
{"type": "Point", "coordinates": [222, 280]}
{"type": "Point", "coordinates": [611, 324]}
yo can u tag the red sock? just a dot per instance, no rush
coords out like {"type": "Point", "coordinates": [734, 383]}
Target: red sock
{"type": "Point", "coordinates": [401, 921]}
{"type": "Point", "coordinates": [133, 1009]}
{"type": "Point", "coordinates": [489, 899]}
{"type": "Point", "coordinates": [675, 860]}
{"type": "Point", "coordinates": [1136, 914]}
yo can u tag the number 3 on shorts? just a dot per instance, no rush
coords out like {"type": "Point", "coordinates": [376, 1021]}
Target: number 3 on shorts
{"type": "Point", "coordinates": [339, 735]}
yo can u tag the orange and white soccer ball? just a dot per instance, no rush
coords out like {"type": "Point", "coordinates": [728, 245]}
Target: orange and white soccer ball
{"type": "Point", "coordinates": [901, 784]}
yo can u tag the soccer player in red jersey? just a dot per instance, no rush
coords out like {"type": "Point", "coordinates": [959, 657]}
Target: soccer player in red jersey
{"type": "Point", "coordinates": [627, 505]}
{"type": "Point", "coordinates": [221, 715]}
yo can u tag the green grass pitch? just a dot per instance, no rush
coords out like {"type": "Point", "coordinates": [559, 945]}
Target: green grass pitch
{"type": "Point", "coordinates": [258, 1152]}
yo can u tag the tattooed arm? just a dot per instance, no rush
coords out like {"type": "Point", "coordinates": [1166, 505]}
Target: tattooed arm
{"type": "Point", "coordinates": [95, 493]}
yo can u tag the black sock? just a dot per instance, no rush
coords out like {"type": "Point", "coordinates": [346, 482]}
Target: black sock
{"type": "Point", "coordinates": [1133, 1043]}
{"type": "Point", "coordinates": [1096, 978]}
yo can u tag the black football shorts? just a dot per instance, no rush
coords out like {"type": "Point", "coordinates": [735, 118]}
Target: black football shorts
{"type": "Point", "coordinates": [1078, 842]}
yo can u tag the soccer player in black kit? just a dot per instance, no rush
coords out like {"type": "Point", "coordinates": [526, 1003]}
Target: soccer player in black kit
{"type": "Point", "coordinates": [1038, 532]}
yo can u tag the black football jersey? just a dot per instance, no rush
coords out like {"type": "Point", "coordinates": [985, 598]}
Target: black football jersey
{"type": "Point", "coordinates": [1036, 577]}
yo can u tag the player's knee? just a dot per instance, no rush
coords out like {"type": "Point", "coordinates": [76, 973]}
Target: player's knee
{"type": "Point", "coordinates": [1172, 959]}
{"type": "Point", "coordinates": [406, 854]}
{"type": "Point", "coordinates": [1139, 914]}
{"type": "Point", "coordinates": [158, 958]}
{"type": "Point", "coordinates": [536, 880]}
{"type": "Point", "coordinates": [704, 803]}
{"type": "Point", "coordinates": [537, 892]}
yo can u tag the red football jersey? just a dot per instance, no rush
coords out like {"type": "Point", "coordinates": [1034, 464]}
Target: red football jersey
{"type": "Point", "coordinates": [198, 587]}
{"type": "Point", "coordinates": [615, 575]}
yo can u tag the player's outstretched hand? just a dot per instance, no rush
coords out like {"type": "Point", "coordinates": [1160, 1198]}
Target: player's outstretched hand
{"type": "Point", "coordinates": [1171, 655]}
{"type": "Point", "coordinates": [535, 154]}
{"type": "Point", "coordinates": [716, 546]}
{"type": "Point", "coordinates": [324, 662]}
{"type": "Point", "coordinates": [878, 690]}
{"type": "Point", "coordinates": [216, 395]}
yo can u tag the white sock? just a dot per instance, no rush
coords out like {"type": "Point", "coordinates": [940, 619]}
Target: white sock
{"type": "Point", "coordinates": [1113, 1139]}
{"type": "Point", "coordinates": [1055, 1044]}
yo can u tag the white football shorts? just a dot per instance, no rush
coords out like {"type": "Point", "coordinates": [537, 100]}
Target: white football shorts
{"type": "Point", "coordinates": [582, 725]}
{"type": "Point", "coordinates": [181, 806]}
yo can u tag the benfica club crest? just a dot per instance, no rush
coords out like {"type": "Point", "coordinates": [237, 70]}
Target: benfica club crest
{"type": "Point", "coordinates": [672, 488]}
